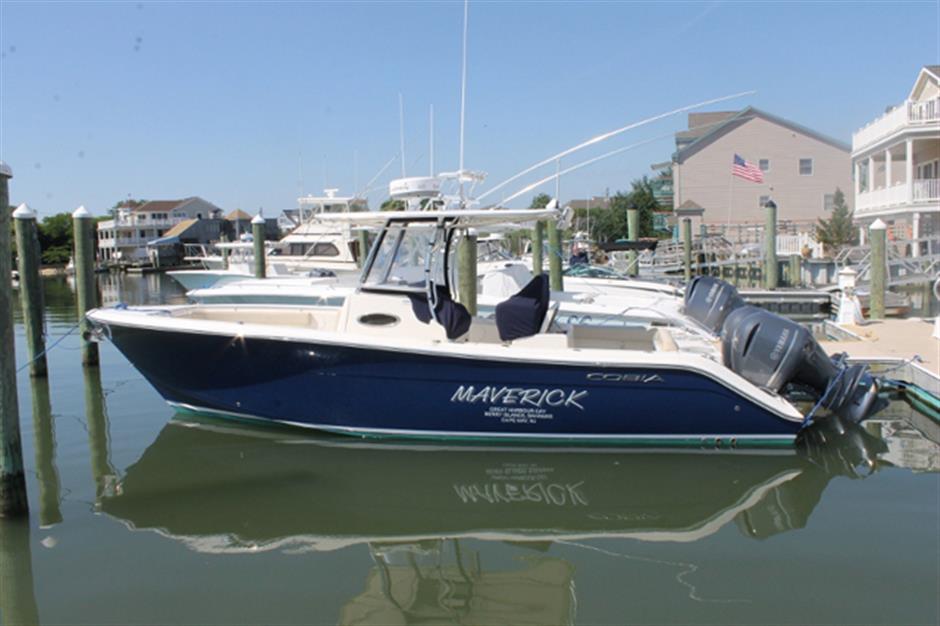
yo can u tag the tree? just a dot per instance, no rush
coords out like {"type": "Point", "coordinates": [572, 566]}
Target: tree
{"type": "Point", "coordinates": [540, 201]}
{"type": "Point", "coordinates": [55, 238]}
{"type": "Point", "coordinates": [610, 224]}
{"type": "Point", "coordinates": [839, 229]}
{"type": "Point", "coordinates": [393, 204]}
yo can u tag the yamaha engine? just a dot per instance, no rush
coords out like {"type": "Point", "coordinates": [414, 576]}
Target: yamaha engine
{"type": "Point", "coordinates": [709, 301]}
{"type": "Point", "coordinates": [773, 352]}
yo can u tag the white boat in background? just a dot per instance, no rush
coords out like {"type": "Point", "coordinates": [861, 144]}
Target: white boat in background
{"type": "Point", "coordinates": [313, 248]}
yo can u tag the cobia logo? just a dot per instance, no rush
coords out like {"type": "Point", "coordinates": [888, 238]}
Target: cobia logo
{"type": "Point", "coordinates": [612, 377]}
{"type": "Point", "coordinates": [509, 396]}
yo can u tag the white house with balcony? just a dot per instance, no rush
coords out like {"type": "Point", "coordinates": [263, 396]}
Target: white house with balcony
{"type": "Point", "coordinates": [125, 236]}
{"type": "Point", "coordinates": [896, 159]}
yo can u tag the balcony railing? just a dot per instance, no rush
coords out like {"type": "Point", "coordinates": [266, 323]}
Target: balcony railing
{"type": "Point", "coordinates": [926, 190]}
{"type": "Point", "coordinates": [906, 114]}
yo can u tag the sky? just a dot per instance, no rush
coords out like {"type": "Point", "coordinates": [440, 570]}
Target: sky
{"type": "Point", "coordinates": [247, 104]}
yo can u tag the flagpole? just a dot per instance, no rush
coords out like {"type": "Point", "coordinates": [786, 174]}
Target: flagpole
{"type": "Point", "coordinates": [730, 196]}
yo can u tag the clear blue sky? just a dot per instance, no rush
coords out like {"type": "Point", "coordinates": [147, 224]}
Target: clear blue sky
{"type": "Point", "coordinates": [105, 100]}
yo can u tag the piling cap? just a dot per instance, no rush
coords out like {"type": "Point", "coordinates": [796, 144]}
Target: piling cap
{"type": "Point", "coordinates": [257, 219]}
{"type": "Point", "coordinates": [847, 271]}
{"type": "Point", "coordinates": [23, 212]}
{"type": "Point", "coordinates": [81, 213]}
{"type": "Point", "coordinates": [5, 170]}
{"type": "Point", "coordinates": [877, 225]}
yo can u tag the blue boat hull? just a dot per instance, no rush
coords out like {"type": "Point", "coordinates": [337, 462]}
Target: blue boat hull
{"type": "Point", "coordinates": [381, 392]}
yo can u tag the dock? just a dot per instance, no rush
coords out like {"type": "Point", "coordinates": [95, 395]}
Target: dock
{"type": "Point", "coordinates": [894, 341]}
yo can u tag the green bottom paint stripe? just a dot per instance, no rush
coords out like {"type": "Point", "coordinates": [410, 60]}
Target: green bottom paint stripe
{"type": "Point", "coordinates": [684, 440]}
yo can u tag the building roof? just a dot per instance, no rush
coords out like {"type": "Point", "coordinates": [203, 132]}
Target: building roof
{"type": "Point", "coordinates": [597, 202]}
{"type": "Point", "coordinates": [178, 229]}
{"type": "Point", "coordinates": [159, 206]}
{"type": "Point", "coordinates": [926, 73]}
{"type": "Point", "coordinates": [690, 207]}
{"type": "Point", "coordinates": [715, 131]}
{"type": "Point", "coordinates": [237, 214]}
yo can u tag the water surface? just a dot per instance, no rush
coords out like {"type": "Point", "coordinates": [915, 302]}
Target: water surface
{"type": "Point", "coordinates": [142, 516]}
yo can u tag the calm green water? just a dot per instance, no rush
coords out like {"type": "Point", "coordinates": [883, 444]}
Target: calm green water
{"type": "Point", "coordinates": [143, 517]}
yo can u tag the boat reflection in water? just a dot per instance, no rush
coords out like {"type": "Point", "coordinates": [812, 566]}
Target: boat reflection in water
{"type": "Point", "coordinates": [228, 489]}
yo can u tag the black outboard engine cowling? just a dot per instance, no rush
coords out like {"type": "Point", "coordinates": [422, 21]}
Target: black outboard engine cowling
{"type": "Point", "coordinates": [709, 301]}
{"type": "Point", "coordinates": [771, 351]}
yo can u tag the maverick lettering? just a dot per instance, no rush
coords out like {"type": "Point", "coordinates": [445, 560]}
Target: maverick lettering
{"type": "Point", "coordinates": [551, 493]}
{"type": "Point", "coordinates": [510, 396]}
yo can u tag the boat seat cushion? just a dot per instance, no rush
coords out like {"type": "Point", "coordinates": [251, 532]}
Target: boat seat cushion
{"type": "Point", "coordinates": [522, 314]}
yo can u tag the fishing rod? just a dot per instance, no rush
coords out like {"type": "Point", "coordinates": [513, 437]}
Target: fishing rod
{"type": "Point", "coordinates": [613, 133]}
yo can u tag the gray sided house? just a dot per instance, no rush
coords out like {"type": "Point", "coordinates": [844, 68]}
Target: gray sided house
{"type": "Point", "coordinates": [801, 169]}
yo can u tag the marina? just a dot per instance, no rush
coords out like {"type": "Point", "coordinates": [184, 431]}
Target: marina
{"type": "Point", "coordinates": [672, 357]}
{"type": "Point", "coordinates": [343, 529]}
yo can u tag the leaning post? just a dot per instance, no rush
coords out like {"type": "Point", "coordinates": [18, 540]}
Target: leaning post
{"type": "Point", "coordinates": [13, 502]}
{"type": "Point", "coordinates": [877, 233]}
{"type": "Point", "coordinates": [538, 245]}
{"type": "Point", "coordinates": [467, 271]}
{"type": "Point", "coordinates": [27, 261]}
{"type": "Point", "coordinates": [771, 270]}
{"type": "Point", "coordinates": [257, 237]}
{"type": "Point", "coordinates": [633, 234]}
{"type": "Point", "coordinates": [84, 255]}
{"type": "Point", "coordinates": [687, 247]}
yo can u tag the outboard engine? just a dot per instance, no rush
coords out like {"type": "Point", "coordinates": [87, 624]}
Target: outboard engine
{"type": "Point", "coordinates": [772, 352]}
{"type": "Point", "coordinates": [709, 301]}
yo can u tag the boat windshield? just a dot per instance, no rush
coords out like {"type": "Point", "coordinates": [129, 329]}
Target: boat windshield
{"type": "Point", "coordinates": [401, 258]}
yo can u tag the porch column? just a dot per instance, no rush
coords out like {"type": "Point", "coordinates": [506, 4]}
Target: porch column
{"type": "Point", "coordinates": [915, 234]}
{"type": "Point", "coordinates": [862, 229]}
{"type": "Point", "coordinates": [858, 180]}
{"type": "Point", "coordinates": [887, 168]}
{"type": "Point", "coordinates": [909, 169]}
{"type": "Point", "coordinates": [871, 173]}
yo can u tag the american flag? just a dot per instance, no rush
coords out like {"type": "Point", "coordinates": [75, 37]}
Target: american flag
{"type": "Point", "coordinates": [745, 170]}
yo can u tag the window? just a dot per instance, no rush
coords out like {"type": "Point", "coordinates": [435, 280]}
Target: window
{"type": "Point", "coordinates": [325, 249]}
{"type": "Point", "coordinates": [806, 167]}
{"type": "Point", "coordinates": [763, 200]}
{"type": "Point", "coordinates": [764, 165]}
{"type": "Point", "coordinates": [829, 201]}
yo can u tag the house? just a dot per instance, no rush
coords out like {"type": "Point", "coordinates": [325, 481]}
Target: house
{"type": "Point", "coordinates": [897, 167]}
{"type": "Point", "coordinates": [125, 236]}
{"type": "Point", "coordinates": [801, 169]}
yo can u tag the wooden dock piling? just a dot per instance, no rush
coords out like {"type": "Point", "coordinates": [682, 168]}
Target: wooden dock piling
{"type": "Point", "coordinates": [633, 234]}
{"type": "Point", "coordinates": [877, 233]}
{"type": "Point", "coordinates": [554, 256]}
{"type": "Point", "coordinates": [83, 254]}
{"type": "Point", "coordinates": [796, 268]}
{"type": "Point", "coordinates": [687, 247]}
{"type": "Point", "coordinates": [467, 271]}
{"type": "Point", "coordinates": [27, 261]}
{"type": "Point", "coordinates": [13, 501]}
{"type": "Point", "coordinates": [771, 269]}
{"type": "Point", "coordinates": [44, 443]}
{"type": "Point", "coordinates": [17, 589]}
{"type": "Point", "coordinates": [363, 236]}
{"type": "Point", "coordinates": [257, 237]}
{"type": "Point", "coordinates": [538, 245]}
{"type": "Point", "coordinates": [99, 441]}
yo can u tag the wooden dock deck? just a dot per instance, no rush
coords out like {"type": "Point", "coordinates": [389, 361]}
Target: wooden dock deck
{"type": "Point", "coordinates": [895, 340]}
